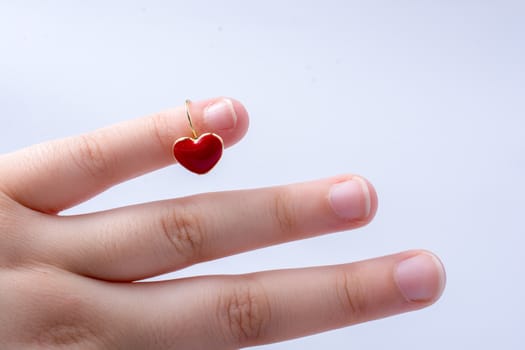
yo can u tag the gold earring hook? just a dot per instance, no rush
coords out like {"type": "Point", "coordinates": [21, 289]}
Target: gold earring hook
{"type": "Point", "coordinates": [187, 104]}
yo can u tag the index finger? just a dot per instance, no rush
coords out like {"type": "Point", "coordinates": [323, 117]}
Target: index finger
{"type": "Point", "coordinates": [56, 175]}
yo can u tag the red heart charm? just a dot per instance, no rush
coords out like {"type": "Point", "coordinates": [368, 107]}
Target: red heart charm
{"type": "Point", "coordinates": [198, 155]}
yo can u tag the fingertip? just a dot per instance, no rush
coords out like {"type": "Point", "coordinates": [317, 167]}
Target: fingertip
{"type": "Point", "coordinates": [370, 196]}
{"type": "Point", "coordinates": [222, 115]}
{"type": "Point", "coordinates": [242, 121]}
{"type": "Point", "coordinates": [421, 277]}
{"type": "Point", "coordinates": [442, 274]}
{"type": "Point", "coordinates": [353, 199]}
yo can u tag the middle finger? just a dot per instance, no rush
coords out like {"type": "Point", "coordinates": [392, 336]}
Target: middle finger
{"type": "Point", "coordinates": [146, 240]}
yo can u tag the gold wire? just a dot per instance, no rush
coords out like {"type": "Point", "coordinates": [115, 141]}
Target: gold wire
{"type": "Point", "coordinates": [187, 104]}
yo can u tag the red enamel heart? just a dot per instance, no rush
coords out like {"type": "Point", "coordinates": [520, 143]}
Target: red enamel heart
{"type": "Point", "coordinates": [198, 155]}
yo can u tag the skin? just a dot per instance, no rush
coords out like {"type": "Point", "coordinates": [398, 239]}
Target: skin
{"type": "Point", "coordinates": [66, 281]}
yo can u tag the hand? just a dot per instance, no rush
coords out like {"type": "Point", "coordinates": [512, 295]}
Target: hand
{"type": "Point", "coordinates": [67, 280]}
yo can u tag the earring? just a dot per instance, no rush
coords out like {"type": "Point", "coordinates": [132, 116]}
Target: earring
{"type": "Point", "coordinates": [198, 154]}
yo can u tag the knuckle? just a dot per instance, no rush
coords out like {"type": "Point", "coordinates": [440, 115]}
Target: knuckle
{"type": "Point", "coordinates": [244, 313]}
{"type": "Point", "coordinates": [89, 155]}
{"type": "Point", "coordinates": [161, 129]}
{"type": "Point", "coordinates": [64, 332]}
{"type": "Point", "coordinates": [8, 218]}
{"type": "Point", "coordinates": [282, 211]}
{"type": "Point", "coordinates": [13, 238]}
{"type": "Point", "coordinates": [352, 295]}
{"type": "Point", "coordinates": [184, 231]}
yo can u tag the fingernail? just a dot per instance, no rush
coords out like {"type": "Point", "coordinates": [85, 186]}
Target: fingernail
{"type": "Point", "coordinates": [420, 278]}
{"type": "Point", "coordinates": [220, 115]}
{"type": "Point", "coordinates": [350, 199]}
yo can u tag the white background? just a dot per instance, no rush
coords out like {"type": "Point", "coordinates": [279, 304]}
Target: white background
{"type": "Point", "coordinates": [424, 98]}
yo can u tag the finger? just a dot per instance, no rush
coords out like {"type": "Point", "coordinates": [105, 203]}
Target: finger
{"type": "Point", "coordinates": [53, 176]}
{"type": "Point", "coordinates": [260, 308]}
{"type": "Point", "coordinates": [141, 241]}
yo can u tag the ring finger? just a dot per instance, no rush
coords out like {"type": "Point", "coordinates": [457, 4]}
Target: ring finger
{"type": "Point", "coordinates": [265, 307]}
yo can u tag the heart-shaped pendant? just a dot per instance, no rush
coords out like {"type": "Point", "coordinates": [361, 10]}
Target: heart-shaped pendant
{"type": "Point", "coordinates": [198, 155]}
